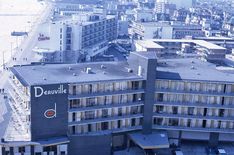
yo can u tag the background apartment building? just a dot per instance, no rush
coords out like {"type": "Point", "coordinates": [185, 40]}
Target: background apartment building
{"type": "Point", "coordinates": [78, 38]}
{"type": "Point", "coordinates": [164, 30]}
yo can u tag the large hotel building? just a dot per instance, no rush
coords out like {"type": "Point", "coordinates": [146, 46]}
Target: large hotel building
{"type": "Point", "coordinates": [99, 107]}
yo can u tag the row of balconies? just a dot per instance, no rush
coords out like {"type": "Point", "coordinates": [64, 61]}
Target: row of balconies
{"type": "Point", "coordinates": [108, 93]}
{"type": "Point", "coordinates": [96, 31]}
{"type": "Point", "coordinates": [20, 90]}
{"type": "Point", "coordinates": [105, 113]}
{"type": "Point", "coordinates": [201, 117]}
{"type": "Point", "coordinates": [194, 104]}
{"type": "Point", "coordinates": [208, 93]}
{"type": "Point", "coordinates": [107, 127]}
{"type": "Point", "coordinates": [196, 129]}
{"type": "Point", "coordinates": [104, 119]}
{"type": "Point", "coordinates": [102, 106]}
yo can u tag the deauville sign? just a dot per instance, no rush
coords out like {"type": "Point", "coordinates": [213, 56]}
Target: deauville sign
{"type": "Point", "coordinates": [39, 91]}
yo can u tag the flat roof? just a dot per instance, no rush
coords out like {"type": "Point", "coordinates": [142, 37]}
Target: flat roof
{"type": "Point", "coordinates": [193, 69]}
{"type": "Point", "coordinates": [156, 140]}
{"type": "Point", "coordinates": [46, 142]}
{"type": "Point", "coordinates": [73, 73]}
{"type": "Point", "coordinates": [208, 45]}
{"type": "Point", "coordinates": [149, 44]}
{"type": "Point", "coordinates": [201, 43]}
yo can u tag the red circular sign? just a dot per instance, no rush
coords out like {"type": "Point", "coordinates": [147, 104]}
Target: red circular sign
{"type": "Point", "coordinates": [50, 113]}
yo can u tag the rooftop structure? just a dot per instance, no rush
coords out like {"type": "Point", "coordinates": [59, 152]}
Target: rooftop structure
{"type": "Point", "coordinates": [201, 48]}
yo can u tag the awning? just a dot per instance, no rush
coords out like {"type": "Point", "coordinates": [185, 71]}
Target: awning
{"type": "Point", "coordinates": [156, 140]}
{"type": "Point", "coordinates": [54, 141]}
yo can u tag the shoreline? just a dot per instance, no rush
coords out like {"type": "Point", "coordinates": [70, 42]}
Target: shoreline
{"type": "Point", "coordinates": [13, 45]}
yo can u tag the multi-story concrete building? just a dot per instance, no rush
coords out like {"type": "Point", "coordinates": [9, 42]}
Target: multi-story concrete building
{"type": "Point", "coordinates": [164, 30]}
{"type": "Point", "coordinates": [186, 47]}
{"type": "Point", "coordinates": [96, 108]}
{"type": "Point", "coordinates": [81, 37]}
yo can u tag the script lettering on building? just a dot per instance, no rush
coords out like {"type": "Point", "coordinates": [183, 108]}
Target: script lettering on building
{"type": "Point", "coordinates": [39, 91]}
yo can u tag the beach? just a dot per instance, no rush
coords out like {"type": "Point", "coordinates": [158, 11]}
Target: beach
{"type": "Point", "coordinates": [16, 15]}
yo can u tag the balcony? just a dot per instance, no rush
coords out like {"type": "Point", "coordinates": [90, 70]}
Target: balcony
{"type": "Point", "coordinates": [194, 104]}
{"type": "Point", "coordinates": [207, 93]}
{"type": "Point", "coordinates": [19, 115]}
{"type": "Point", "coordinates": [168, 115]}
{"type": "Point", "coordinates": [19, 103]}
{"type": "Point", "coordinates": [107, 93]}
{"type": "Point", "coordinates": [19, 90]}
{"type": "Point", "coordinates": [104, 119]}
{"type": "Point", "coordinates": [196, 129]}
{"type": "Point", "coordinates": [116, 131]}
{"type": "Point", "coordinates": [106, 106]}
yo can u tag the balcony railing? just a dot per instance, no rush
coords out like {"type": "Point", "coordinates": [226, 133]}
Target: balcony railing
{"type": "Point", "coordinates": [208, 93]}
{"type": "Point", "coordinates": [207, 117]}
{"type": "Point", "coordinates": [107, 93]}
{"type": "Point", "coordinates": [19, 90]}
{"type": "Point", "coordinates": [198, 129]}
{"type": "Point", "coordinates": [104, 119]}
{"type": "Point", "coordinates": [106, 106]}
{"type": "Point", "coordinates": [194, 104]}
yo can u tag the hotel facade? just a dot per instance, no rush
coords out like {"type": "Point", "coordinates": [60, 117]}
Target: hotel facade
{"type": "Point", "coordinates": [100, 107]}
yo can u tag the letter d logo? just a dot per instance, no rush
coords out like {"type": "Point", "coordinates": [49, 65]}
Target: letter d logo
{"type": "Point", "coordinates": [38, 91]}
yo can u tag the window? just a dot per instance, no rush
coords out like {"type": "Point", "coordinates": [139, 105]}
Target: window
{"type": "Point", "coordinates": [160, 97]}
{"type": "Point", "coordinates": [90, 88]}
{"type": "Point", "coordinates": [119, 123]}
{"type": "Point", "coordinates": [158, 121]}
{"type": "Point", "coordinates": [74, 116]}
{"type": "Point", "coordinates": [73, 129]}
{"type": "Point", "coordinates": [175, 110]}
{"type": "Point", "coordinates": [173, 122]}
{"type": "Point", "coordinates": [104, 125]}
{"type": "Point", "coordinates": [89, 115]}
{"type": "Point", "coordinates": [190, 110]}
{"type": "Point", "coordinates": [204, 123]}
{"type": "Point", "coordinates": [73, 90]}
{"type": "Point", "coordinates": [105, 113]}
{"type": "Point", "coordinates": [90, 102]}
{"type": "Point", "coordinates": [89, 128]}
{"type": "Point", "coordinates": [119, 111]}
{"type": "Point", "coordinates": [221, 112]}
{"type": "Point", "coordinates": [133, 122]}
{"type": "Point", "coordinates": [159, 109]}
{"type": "Point", "coordinates": [21, 149]}
{"type": "Point", "coordinates": [134, 110]}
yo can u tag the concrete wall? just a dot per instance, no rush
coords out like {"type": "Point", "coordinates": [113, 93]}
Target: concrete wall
{"type": "Point", "coordinates": [148, 66]}
{"type": "Point", "coordinates": [90, 145]}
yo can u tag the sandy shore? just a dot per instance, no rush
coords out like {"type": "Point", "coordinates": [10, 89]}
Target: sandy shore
{"type": "Point", "coordinates": [16, 15]}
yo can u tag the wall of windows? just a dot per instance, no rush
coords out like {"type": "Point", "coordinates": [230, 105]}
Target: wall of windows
{"type": "Point", "coordinates": [103, 126]}
{"type": "Point", "coordinates": [209, 108]}
{"type": "Point", "coordinates": [104, 87]}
